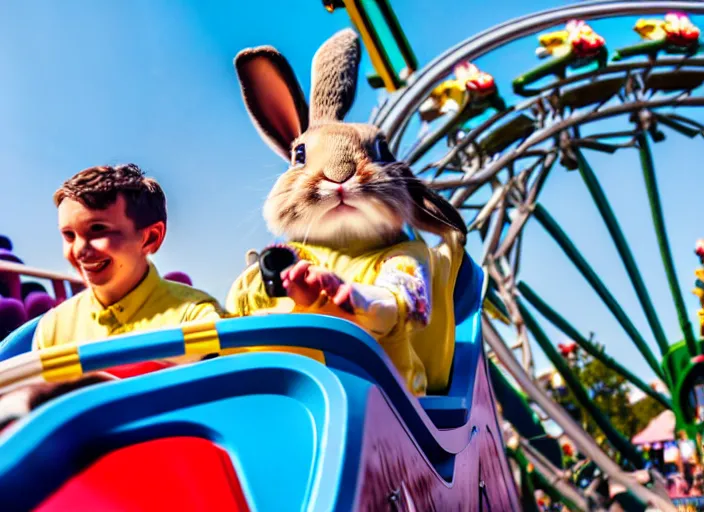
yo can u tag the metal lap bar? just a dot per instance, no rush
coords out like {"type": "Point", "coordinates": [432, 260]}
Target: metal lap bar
{"type": "Point", "coordinates": [67, 362]}
{"type": "Point", "coordinates": [60, 363]}
{"type": "Point", "coordinates": [135, 348]}
{"type": "Point", "coordinates": [201, 338]}
{"type": "Point", "coordinates": [383, 38]}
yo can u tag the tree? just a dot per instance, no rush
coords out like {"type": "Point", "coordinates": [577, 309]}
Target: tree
{"type": "Point", "coordinates": [610, 393]}
{"type": "Point", "coordinates": [644, 410]}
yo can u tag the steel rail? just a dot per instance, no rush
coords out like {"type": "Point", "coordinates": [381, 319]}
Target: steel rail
{"type": "Point", "coordinates": [400, 106]}
{"type": "Point", "coordinates": [469, 184]}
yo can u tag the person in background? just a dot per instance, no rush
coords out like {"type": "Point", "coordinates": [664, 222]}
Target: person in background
{"type": "Point", "coordinates": [697, 488]}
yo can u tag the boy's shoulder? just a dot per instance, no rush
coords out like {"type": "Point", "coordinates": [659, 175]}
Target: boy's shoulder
{"type": "Point", "coordinates": [194, 304]}
{"type": "Point", "coordinates": [69, 306]}
{"type": "Point", "coordinates": [184, 293]}
{"type": "Point", "coordinates": [62, 317]}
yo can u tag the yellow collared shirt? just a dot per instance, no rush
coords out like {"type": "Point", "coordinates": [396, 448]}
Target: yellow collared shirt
{"type": "Point", "coordinates": [154, 304]}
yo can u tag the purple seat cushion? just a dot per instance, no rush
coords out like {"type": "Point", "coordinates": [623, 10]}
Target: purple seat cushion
{"type": "Point", "coordinates": [179, 277]}
{"type": "Point", "coordinates": [12, 315]}
{"type": "Point", "coordinates": [31, 286]}
{"type": "Point", "coordinates": [10, 285]}
{"type": "Point", "coordinates": [8, 255]}
{"type": "Point", "coordinates": [5, 243]}
{"type": "Point", "coordinates": [38, 303]}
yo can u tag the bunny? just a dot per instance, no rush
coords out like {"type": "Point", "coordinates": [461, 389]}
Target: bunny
{"type": "Point", "coordinates": [342, 204]}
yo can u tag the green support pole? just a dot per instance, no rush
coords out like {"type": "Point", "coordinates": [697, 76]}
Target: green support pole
{"type": "Point", "coordinates": [651, 184]}
{"type": "Point", "coordinates": [620, 443]}
{"type": "Point", "coordinates": [518, 412]}
{"type": "Point", "coordinates": [528, 503]}
{"type": "Point", "coordinates": [542, 216]}
{"type": "Point", "coordinates": [546, 478]}
{"type": "Point", "coordinates": [624, 251]}
{"type": "Point", "coordinates": [559, 321]}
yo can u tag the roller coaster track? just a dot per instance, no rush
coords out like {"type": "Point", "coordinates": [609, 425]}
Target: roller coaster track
{"type": "Point", "coordinates": [550, 131]}
{"type": "Point", "coordinates": [392, 116]}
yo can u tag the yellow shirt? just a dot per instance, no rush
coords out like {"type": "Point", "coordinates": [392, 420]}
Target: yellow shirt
{"type": "Point", "coordinates": [421, 348]}
{"type": "Point", "coordinates": [155, 303]}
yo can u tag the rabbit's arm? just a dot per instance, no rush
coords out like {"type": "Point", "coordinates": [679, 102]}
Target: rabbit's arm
{"type": "Point", "coordinates": [407, 280]}
{"type": "Point", "coordinates": [375, 308]}
{"type": "Point", "coordinates": [399, 296]}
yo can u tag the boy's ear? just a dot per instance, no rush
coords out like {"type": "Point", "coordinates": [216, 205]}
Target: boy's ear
{"type": "Point", "coordinates": [153, 237]}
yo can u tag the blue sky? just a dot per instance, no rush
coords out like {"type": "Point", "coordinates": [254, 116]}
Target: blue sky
{"type": "Point", "coordinates": [87, 83]}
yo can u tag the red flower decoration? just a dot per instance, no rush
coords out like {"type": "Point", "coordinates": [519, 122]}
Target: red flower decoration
{"type": "Point", "coordinates": [585, 42]}
{"type": "Point", "coordinates": [680, 31]}
{"type": "Point", "coordinates": [567, 348]}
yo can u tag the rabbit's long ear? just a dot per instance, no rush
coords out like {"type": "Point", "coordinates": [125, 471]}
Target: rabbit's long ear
{"type": "Point", "coordinates": [273, 97]}
{"type": "Point", "coordinates": [432, 213]}
{"type": "Point", "coordinates": [334, 79]}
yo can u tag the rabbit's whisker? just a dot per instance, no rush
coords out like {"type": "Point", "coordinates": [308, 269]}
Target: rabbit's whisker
{"type": "Point", "coordinates": [439, 219]}
{"type": "Point", "coordinates": [310, 225]}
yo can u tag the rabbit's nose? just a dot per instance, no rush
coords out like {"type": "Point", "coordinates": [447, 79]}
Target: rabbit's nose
{"type": "Point", "coordinates": [340, 173]}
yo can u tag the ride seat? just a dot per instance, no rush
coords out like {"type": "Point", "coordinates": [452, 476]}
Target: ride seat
{"type": "Point", "coordinates": [151, 477]}
{"type": "Point", "coordinates": [12, 316]}
{"type": "Point", "coordinates": [451, 410]}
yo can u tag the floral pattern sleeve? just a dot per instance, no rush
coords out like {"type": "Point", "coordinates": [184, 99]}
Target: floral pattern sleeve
{"type": "Point", "coordinates": [408, 281]}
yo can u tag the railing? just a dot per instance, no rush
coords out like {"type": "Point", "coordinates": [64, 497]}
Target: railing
{"type": "Point", "coordinates": [57, 279]}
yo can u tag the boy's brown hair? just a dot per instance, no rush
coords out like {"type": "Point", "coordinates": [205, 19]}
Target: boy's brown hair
{"type": "Point", "coordinates": [98, 188]}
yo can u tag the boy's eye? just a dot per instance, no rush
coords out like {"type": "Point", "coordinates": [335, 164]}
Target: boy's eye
{"type": "Point", "coordinates": [68, 235]}
{"type": "Point", "coordinates": [299, 154]}
{"type": "Point", "coordinates": [98, 228]}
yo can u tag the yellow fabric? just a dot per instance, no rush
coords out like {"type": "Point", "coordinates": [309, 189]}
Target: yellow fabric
{"type": "Point", "coordinates": [435, 344]}
{"type": "Point", "coordinates": [155, 303]}
{"type": "Point", "coordinates": [246, 297]}
{"type": "Point", "coordinates": [423, 357]}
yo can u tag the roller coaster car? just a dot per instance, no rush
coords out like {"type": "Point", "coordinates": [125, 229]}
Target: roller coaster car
{"type": "Point", "coordinates": [676, 29]}
{"type": "Point", "coordinates": [577, 39]}
{"type": "Point", "coordinates": [675, 34]}
{"type": "Point", "coordinates": [262, 431]}
{"type": "Point", "coordinates": [572, 48]}
{"type": "Point", "coordinates": [470, 89]}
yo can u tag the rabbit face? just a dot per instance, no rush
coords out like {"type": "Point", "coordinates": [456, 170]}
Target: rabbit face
{"type": "Point", "coordinates": [343, 188]}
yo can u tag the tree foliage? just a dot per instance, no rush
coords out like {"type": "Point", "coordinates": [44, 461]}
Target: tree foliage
{"type": "Point", "coordinates": [610, 392]}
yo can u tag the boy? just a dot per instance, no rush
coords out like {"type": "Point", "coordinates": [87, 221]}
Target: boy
{"type": "Point", "coordinates": [111, 219]}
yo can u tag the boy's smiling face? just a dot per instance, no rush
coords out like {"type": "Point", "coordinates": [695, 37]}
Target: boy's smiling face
{"type": "Point", "coordinates": [106, 248]}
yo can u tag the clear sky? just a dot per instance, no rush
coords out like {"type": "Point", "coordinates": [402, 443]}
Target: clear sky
{"type": "Point", "coordinates": [151, 82]}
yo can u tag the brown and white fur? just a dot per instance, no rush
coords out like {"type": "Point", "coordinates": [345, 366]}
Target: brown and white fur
{"type": "Point", "coordinates": [346, 190]}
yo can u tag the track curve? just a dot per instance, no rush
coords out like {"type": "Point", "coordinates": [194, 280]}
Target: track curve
{"type": "Point", "coordinates": [392, 116]}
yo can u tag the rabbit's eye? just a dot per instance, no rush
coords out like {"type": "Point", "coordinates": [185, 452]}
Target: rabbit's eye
{"type": "Point", "coordinates": [382, 151]}
{"type": "Point", "coordinates": [299, 154]}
